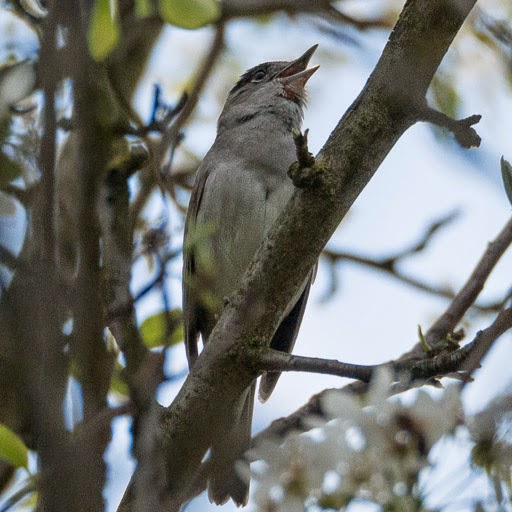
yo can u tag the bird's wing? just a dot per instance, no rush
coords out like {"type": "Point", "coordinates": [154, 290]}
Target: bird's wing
{"type": "Point", "coordinates": [190, 303]}
{"type": "Point", "coordinates": [285, 336]}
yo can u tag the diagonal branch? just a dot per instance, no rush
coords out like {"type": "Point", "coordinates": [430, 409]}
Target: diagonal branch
{"type": "Point", "coordinates": [447, 322]}
{"type": "Point", "coordinates": [486, 339]}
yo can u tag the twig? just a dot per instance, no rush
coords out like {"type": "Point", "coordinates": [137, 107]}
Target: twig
{"type": "Point", "coordinates": [462, 129]}
{"type": "Point", "coordinates": [169, 138]}
{"type": "Point", "coordinates": [426, 238]}
{"type": "Point", "coordinates": [157, 124]}
{"type": "Point", "coordinates": [277, 361]}
{"type": "Point", "coordinates": [382, 266]}
{"type": "Point", "coordinates": [334, 14]}
{"type": "Point", "coordinates": [389, 265]}
{"type": "Point", "coordinates": [235, 9]}
{"type": "Point", "coordinates": [159, 278]}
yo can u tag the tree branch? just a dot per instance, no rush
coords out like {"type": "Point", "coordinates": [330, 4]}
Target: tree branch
{"type": "Point", "coordinates": [325, 8]}
{"type": "Point", "coordinates": [463, 361]}
{"type": "Point", "coordinates": [276, 361]}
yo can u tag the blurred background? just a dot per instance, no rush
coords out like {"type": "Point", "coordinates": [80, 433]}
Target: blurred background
{"type": "Point", "coordinates": [357, 313]}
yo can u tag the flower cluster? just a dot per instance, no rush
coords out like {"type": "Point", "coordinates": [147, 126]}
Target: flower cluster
{"type": "Point", "coordinates": [373, 450]}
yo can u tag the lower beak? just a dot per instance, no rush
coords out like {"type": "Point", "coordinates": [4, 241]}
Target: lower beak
{"type": "Point", "coordinates": [300, 78]}
{"type": "Point", "coordinates": [299, 65]}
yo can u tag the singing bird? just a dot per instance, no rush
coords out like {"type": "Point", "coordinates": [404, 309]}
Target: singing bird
{"type": "Point", "coordinates": [240, 188]}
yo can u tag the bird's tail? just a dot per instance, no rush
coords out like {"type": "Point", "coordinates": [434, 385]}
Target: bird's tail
{"type": "Point", "coordinates": [228, 476]}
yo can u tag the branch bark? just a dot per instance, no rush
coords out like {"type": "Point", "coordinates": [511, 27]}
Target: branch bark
{"type": "Point", "coordinates": [378, 117]}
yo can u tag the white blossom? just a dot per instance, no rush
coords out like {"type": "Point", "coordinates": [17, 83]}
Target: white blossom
{"type": "Point", "coordinates": [373, 449]}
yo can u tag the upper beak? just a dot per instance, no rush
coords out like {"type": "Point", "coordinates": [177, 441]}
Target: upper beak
{"type": "Point", "coordinates": [296, 71]}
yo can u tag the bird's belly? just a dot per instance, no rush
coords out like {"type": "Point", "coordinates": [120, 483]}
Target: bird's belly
{"type": "Point", "coordinates": [238, 211]}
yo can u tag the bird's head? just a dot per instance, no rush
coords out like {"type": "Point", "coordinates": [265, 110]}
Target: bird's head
{"type": "Point", "coordinates": [269, 86]}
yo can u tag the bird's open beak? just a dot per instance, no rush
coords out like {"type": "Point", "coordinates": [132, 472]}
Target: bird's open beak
{"type": "Point", "coordinates": [297, 71]}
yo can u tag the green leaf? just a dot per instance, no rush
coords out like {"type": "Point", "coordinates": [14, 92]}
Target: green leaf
{"type": "Point", "coordinates": [506, 174]}
{"type": "Point", "coordinates": [118, 384]}
{"type": "Point", "coordinates": [164, 328]}
{"type": "Point", "coordinates": [143, 8]}
{"type": "Point", "coordinates": [189, 14]}
{"type": "Point", "coordinates": [104, 30]}
{"type": "Point", "coordinates": [12, 448]}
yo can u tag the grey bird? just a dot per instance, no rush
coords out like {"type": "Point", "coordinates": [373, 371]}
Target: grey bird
{"type": "Point", "coordinates": [240, 188]}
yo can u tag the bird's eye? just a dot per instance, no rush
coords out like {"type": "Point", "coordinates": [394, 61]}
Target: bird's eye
{"type": "Point", "coordinates": [259, 76]}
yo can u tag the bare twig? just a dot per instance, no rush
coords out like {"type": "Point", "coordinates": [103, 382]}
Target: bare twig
{"type": "Point", "coordinates": [449, 361]}
{"type": "Point", "coordinates": [462, 129]}
{"type": "Point", "coordinates": [325, 8]}
{"type": "Point", "coordinates": [159, 278]}
{"type": "Point", "coordinates": [270, 360]}
{"type": "Point", "coordinates": [390, 266]}
{"type": "Point", "coordinates": [172, 136]}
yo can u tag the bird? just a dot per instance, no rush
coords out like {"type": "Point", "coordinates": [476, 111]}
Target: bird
{"type": "Point", "coordinates": [240, 188]}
